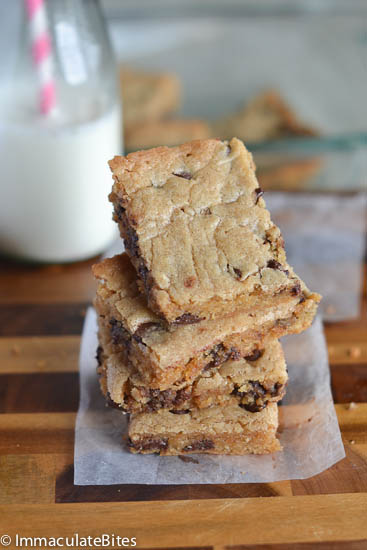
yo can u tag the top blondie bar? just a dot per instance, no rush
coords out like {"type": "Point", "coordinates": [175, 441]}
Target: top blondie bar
{"type": "Point", "coordinates": [197, 230]}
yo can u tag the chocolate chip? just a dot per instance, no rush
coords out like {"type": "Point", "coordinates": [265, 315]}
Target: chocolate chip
{"type": "Point", "coordinates": [258, 397]}
{"type": "Point", "coordinates": [143, 329]}
{"type": "Point", "coordinates": [180, 411]}
{"type": "Point", "coordinates": [184, 174]}
{"type": "Point", "coordinates": [235, 270]}
{"type": "Point", "coordinates": [252, 407]}
{"type": "Point", "coordinates": [131, 241]}
{"type": "Point", "coordinates": [229, 149]}
{"type": "Point", "coordinates": [119, 212]}
{"type": "Point", "coordinates": [118, 333]}
{"type": "Point", "coordinates": [273, 264]}
{"type": "Point", "coordinates": [276, 390]}
{"type": "Point", "coordinates": [148, 444]}
{"type": "Point", "coordinates": [99, 355]}
{"type": "Point", "coordinates": [143, 273]}
{"type": "Point", "coordinates": [187, 319]}
{"type": "Point", "coordinates": [258, 193]}
{"type": "Point", "coordinates": [302, 299]}
{"type": "Point", "coordinates": [165, 399]}
{"type": "Point", "coordinates": [220, 354]}
{"type": "Point", "coordinates": [206, 211]}
{"type": "Point", "coordinates": [200, 445]}
{"type": "Point", "coordinates": [296, 290]}
{"type": "Point", "coordinates": [255, 355]}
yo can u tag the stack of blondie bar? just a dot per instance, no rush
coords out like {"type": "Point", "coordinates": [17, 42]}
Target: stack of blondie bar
{"type": "Point", "coordinates": [189, 317]}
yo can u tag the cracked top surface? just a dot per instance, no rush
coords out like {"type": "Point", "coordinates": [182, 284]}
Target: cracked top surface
{"type": "Point", "coordinates": [201, 228]}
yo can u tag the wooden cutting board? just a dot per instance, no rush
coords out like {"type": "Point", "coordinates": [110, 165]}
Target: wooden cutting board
{"type": "Point", "coordinates": [41, 316]}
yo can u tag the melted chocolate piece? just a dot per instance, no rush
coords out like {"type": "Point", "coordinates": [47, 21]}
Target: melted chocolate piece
{"type": "Point", "coordinates": [296, 290]}
{"type": "Point", "coordinates": [99, 353]}
{"type": "Point", "coordinates": [131, 241]}
{"type": "Point", "coordinates": [258, 193]}
{"type": "Point", "coordinates": [220, 354]}
{"type": "Point", "coordinates": [118, 333]}
{"type": "Point", "coordinates": [186, 175]}
{"type": "Point", "coordinates": [119, 212]}
{"type": "Point", "coordinates": [148, 444]}
{"type": "Point", "coordinates": [180, 411]}
{"type": "Point", "coordinates": [187, 319]}
{"type": "Point", "coordinates": [166, 399]}
{"type": "Point", "coordinates": [258, 392]}
{"type": "Point", "coordinates": [142, 329]}
{"type": "Point", "coordinates": [238, 272]}
{"type": "Point", "coordinates": [273, 264]}
{"type": "Point", "coordinates": [252, 407]}
{"type": "Point", "coordinates": [255, 355]}
{"type": "Point", "coordinates": [200, 445]}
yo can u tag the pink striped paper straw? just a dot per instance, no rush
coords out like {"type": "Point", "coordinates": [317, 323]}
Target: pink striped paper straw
{"type": "Point", "coordinates": [42, 52]}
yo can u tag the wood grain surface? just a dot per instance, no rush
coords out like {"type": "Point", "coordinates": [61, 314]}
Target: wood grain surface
{"type": "Point", "coordinates": [42, 310]}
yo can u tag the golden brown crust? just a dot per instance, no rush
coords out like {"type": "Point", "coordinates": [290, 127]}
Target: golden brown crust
{"type": "Point", "coordinates": [216, 430]}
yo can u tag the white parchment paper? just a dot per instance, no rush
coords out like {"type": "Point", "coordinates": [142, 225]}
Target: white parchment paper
{"type": "Point", "coordinates": [309, 429]}
{"type": "Point", "coordinates": [325, 236]}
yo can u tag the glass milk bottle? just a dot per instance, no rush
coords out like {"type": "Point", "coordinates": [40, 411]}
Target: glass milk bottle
{"type": "Point", "coordinates": [60, 122]}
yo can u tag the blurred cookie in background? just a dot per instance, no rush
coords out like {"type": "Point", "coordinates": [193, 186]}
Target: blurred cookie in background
{"type": "Point", "coordinates": [148, 95]}
{"type": "Point", "coordinates": [164, 132]}
{"type": "Point", "coordinates": [264, 118]}
{"type": "Point", "coordinates": [291, 175]}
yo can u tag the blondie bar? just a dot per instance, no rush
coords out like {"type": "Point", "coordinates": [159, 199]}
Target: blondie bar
{"type": "Point", "coordinates": [166, 355]}
{"type": "Point", "coordinates": [168, 132]}
{"type": "Point", "coordinates": [148, 96]}
{"type": "Point", "coordinates": [217, 430]}
{"type": "Point", "coordinates": [267, 116]}
{"type": "Point", "coordinates": [254, 381]}
{"type": "Point", "coordinates": [197, 231]}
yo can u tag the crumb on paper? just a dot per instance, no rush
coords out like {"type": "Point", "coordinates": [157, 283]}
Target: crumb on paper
{"type": "Point", "coordinates": [352, 442]}
{"type": "Point", "coordinates": [188, 459]}
{"type": "Point", "coordinates": [351, 406]}
{"type": "Point", "coordinates": [354, 352]}
{"type": "Point", "coordinates": [15, 350]}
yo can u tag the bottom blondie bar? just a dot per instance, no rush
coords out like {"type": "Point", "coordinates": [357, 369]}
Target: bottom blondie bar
{"type": "Point", "coordinates": [228, 430]}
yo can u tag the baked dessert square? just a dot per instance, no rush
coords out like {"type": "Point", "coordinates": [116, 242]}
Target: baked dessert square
{"type": "Point", "coordinates": [147, 95]}
{"type": "Point", "coordinates": [171, 131]}
{"type": "Point", "coordinates": [198, 233]}
{"type": "Point", "coordinates": [165, 355]}
{"type": "Point", "coordinates": [229, 430]}
{"type": "Point", "coordinates": [265, 117]}
{"type": "Point", "coordinates": [254, 381]}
